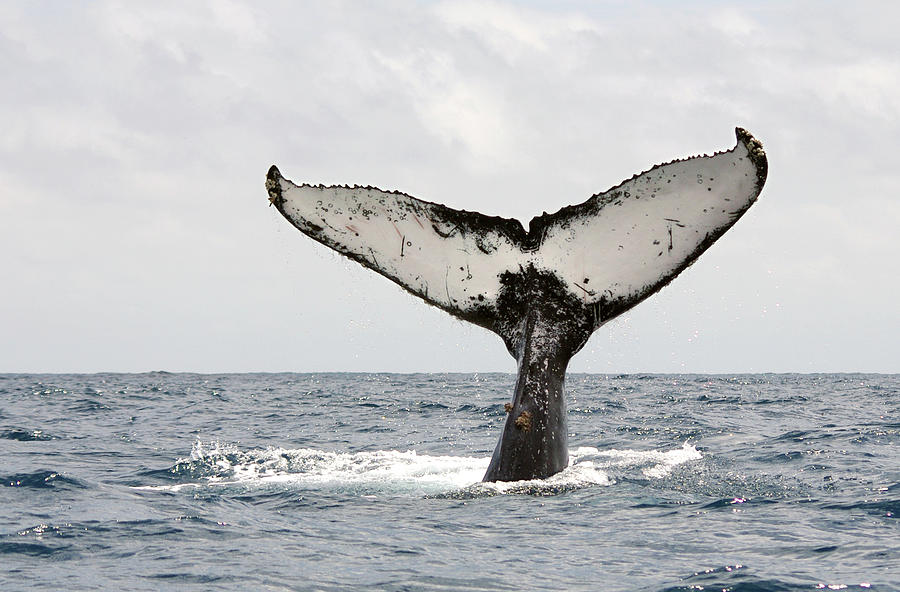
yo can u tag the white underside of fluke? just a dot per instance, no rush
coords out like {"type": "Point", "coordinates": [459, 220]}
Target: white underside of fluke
{"type": "Point", "coordinates": [653, 224]}
{"type": "Point", "coordinates": [616, 245]}
{"type": "Point", "coordinates": [407, 240]}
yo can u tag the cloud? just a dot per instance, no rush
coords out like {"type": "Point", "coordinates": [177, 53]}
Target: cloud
{"type": "Point", "coordinates": [513, 32]}
{"type": "Point", "coordinates": [136, 138]}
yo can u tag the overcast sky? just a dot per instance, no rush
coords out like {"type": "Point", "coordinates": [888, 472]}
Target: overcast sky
{"type": "Point", "coordinates": [135, 137]}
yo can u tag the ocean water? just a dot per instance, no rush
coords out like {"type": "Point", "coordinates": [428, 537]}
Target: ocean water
{"type": "Point", "coordinates": [371, 481]}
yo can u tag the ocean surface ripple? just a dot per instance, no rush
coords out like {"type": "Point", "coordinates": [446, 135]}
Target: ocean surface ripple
{"type": "Point", "coordinates": [334, 482]}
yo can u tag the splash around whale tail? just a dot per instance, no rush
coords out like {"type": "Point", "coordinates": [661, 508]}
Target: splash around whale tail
{"type": "Point", "coordinates": [544, 290]}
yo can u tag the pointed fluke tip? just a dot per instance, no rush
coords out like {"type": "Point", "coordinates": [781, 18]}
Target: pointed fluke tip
{"type": "Point", "coordinates": [273, 186]}
{"type": "Point", "coordinates": [755, 151]}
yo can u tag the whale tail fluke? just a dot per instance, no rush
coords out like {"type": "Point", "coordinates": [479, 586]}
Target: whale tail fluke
{"type": "Point", "coordinates": [609, 252]}
{"type": "Point", "coordinates": [544, 290]}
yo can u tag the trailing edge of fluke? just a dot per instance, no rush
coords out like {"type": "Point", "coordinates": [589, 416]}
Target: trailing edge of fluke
{"type": "Point", "coordinates": [543, 290]}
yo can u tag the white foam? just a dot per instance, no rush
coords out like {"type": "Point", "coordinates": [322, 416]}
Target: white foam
{"type": "Point", "coordinates": [393, 472]}
{"type": "Point", "coordinates": [576, 476]}
{"type": "Point", "coordinates": [654, 464]}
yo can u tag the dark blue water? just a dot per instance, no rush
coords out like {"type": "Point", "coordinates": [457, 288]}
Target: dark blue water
{"type": "Point", "coordinates": [367, 481]}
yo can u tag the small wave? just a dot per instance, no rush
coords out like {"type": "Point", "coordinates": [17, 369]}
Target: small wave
{"type": "Point", "coordinates": [728, 502]}
{"type": "Point", "coordinates": [888, 508]}
{"type": "Point", "coordinates": [495, 410]}
{"type": "Point", "coordinates": [735, 578]}
{"type": "Point", "coordinates": [88, 406]}
{"type": "Point", "coordinates": [26, 435]}
{"type": "Point", "coordinates": [33, 549]}
{"type": "Point", "coordinates": [218, 465]}
{"type": "Point", "coordinates": [39, 480]}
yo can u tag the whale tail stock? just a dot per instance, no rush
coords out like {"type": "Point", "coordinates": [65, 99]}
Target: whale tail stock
{"type": "Point", "coordinates": [545, 290]}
